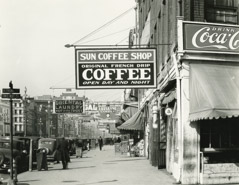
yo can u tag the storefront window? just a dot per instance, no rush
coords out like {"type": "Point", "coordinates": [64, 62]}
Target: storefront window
{"type": "Point", "coordinates": [219, 140]}
{"type": "Point", "coordinates": [220, 133]}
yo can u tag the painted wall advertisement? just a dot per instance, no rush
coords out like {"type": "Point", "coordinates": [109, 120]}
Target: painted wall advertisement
{"type": "Point", "coordinates": [115, 68]}
{"type": "Point", "coordinates": [210, 37]}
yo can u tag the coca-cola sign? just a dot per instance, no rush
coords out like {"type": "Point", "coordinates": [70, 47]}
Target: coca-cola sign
{"type": "Point", "coordinates": [211, 37]}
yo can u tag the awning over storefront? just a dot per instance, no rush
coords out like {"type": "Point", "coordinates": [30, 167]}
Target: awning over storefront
{"type": "Point", "coordinates": [129, 111]}
{"type": "Point", "coordinates": [214, 90]}
{"type": "Point", "coordinates": [134, 123]}
{"type": "Point", "coordinates": [113, 129]}
{"type": "Point", "coordinates": [169, 97]}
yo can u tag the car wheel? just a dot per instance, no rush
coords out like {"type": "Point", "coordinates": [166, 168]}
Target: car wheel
{"type": "Point", "coordinates": [2, 157]}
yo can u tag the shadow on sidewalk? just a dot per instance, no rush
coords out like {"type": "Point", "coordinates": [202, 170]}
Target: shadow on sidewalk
{"type": "Point", "coordinates": [99, 182]}
{"type": "Point", "coordinates": [125, 160]}
{"type": "Point", "coordinates": [26, 182]}
{"type": "Point", "coordinates": [70, 168]}
{"type": "Point", "coordinates": [5, 183]}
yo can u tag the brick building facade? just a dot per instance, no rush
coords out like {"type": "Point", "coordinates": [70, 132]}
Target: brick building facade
{"type": "Point", "coordinates": [193, 133]}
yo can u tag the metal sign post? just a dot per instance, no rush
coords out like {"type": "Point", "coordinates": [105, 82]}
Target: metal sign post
{"type": "Point", "coordinates": [11, 134]}
{"type": "Point", "coordinates": [9, 94]}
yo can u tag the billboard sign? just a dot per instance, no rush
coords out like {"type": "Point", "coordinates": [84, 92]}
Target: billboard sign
{"type": "Point", "coordinates": [69, 106]}
{"type": "Point", "coordinates": [115, 68]}
{"type": "Point", "coordinates": [210, 37]}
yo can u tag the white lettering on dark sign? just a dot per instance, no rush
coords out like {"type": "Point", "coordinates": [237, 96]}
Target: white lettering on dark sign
{"type": "Point", "coordinates": [211, 37]}
{"type": "Point", "coordinates": [121, 68]}
{"type": "Point", "coordinates": [68, 106]}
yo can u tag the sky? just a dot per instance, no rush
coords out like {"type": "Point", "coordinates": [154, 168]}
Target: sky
{"type": "Point", "coordinates": [33, 35]}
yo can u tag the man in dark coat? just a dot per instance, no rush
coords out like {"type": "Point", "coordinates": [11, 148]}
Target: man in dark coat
{"type": "Point", "coordinates": [63, 149]}
{"type": "Point", "coordinates": [100, 141]}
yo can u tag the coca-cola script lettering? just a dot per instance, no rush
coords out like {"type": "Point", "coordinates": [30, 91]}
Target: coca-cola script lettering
{"type": "Point", "coordinates": [211, 37]}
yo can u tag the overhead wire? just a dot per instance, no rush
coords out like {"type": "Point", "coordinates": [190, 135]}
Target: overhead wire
{"type": "Point", "coordinates": [116, 33]}
{"type": "Point", "coordinates": [104, 25]}
{"type": "Point", "coordinates": [108, 35]}
{"type": "Point", "coordinates": [108, 93]}
{"type": "Point", "coordinates": [121, 40]}
{"type": "Point", "coordinates": [68, 77]}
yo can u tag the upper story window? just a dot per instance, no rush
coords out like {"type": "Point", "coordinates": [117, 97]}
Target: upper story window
{"type": "Point", "coordinates": [221, 11]}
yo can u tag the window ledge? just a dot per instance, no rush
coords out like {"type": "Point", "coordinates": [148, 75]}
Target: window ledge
{"type": "Point", "coordinates": [215, 150]}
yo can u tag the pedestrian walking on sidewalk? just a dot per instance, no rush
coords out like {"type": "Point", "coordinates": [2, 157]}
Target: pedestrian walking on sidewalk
{"type": "Point", "coordinates": [88, 145]}
{"type": "Point", "coordinates": [118, 140]}
{"type": "Point", "coordinates": [100, 141]}
{"type": "Point", "coordinates": [63, 149]}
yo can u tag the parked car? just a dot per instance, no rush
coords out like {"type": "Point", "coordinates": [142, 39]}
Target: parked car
{"type": "Point", "coordinates": [50, 145]}
{"type": "Point", "coordinates": [27, 140]}
{"type": "Point", "coordinates": [20, 154]}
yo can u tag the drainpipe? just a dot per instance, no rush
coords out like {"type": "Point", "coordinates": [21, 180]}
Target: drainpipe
{"type": "Point", "coordinates": [180, 7]}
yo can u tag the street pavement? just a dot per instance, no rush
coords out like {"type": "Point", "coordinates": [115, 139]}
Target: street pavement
{"type": "Point", "coordinates": [99, 167]}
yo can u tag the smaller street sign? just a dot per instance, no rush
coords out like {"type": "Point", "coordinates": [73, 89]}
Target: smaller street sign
{"type": "Point", "coordinates": [10, 90]}
{"type": "Point", "coordinates": [13, 96]}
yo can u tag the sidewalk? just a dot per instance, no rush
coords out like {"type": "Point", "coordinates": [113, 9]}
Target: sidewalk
{"type": "Point", "coordinates": [100, 167]}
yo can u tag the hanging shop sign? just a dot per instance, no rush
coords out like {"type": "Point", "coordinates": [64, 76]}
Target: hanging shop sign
{"type": "Point", "coordinates": [68, 106]}
{"type": "Point", "coordinates": [210, 37]}
{"type": "Point", "coordinates": [168, 111]}
{"type": "Point", "coordinates": [115, 68]}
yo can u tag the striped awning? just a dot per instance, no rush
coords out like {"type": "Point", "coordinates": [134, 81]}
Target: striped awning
{"type": "Point", "coordinates": [134, 123]}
